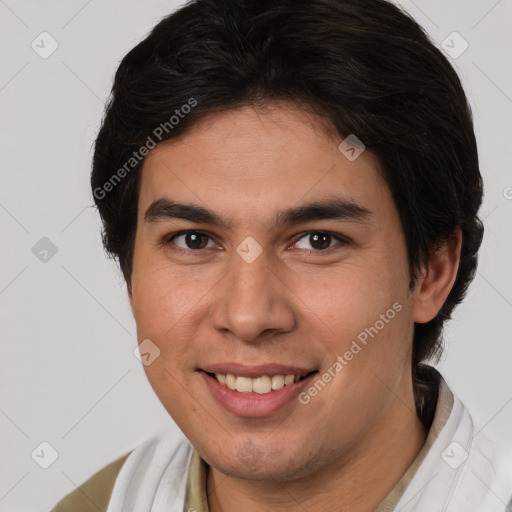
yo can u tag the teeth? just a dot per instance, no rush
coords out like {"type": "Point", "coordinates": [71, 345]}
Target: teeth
{"type": "Point", "coordinates": [230, 381]}
{"type": "Point", "coordinates": [260, 385]}
{"type": "Point", "coordinates": [277, 382]}
{"type": "Point", "coordinates": [243, 384]}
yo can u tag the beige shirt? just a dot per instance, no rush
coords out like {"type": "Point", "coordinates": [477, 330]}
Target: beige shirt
{"type": "Point", "coordinates": [94, 494]}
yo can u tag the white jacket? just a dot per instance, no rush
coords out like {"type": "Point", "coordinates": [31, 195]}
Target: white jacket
{"type": "Point", "coordinates": [462, 472]}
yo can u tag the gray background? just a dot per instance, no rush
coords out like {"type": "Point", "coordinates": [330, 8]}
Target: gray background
{"type": "Point", "coordinates": [68, 373]}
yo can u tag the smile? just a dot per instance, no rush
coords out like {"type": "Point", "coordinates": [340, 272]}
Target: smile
{"type": "Point", "coordinates": [260, 385]}
{"type": "Point", "coordinates": [262, 394]}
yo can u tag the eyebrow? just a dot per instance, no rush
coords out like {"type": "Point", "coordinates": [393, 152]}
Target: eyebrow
{"type": "Point", "coordinates": [334, 208]}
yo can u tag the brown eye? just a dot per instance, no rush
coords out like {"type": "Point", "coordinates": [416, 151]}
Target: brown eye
{"type": "Point", "coordinates": [318, 241]}
{"type": "Point", "coordinates": [194, 240]}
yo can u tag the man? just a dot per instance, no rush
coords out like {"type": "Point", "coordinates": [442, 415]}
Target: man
{"type": "Point", "coordinates": [292, 190]}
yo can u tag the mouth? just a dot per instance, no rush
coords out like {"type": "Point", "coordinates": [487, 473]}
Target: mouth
{"type": "Point", "coordinates": [261, 385]}
{"type": "Point", "coordinates": [256, 392]}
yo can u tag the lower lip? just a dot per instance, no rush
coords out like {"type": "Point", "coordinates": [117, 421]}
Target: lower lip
{"type": "Point", "coordinates": [253, 405]}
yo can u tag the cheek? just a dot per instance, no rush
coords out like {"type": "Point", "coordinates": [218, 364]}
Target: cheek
{"type": "Point", "coordinates": [364, 311]}
{"type": "Point", "coordinates": [161, 299]}
{"type": "Point", "coordinates": [348, 299]}
{"type": "Point", "coordinates": [163, 309]}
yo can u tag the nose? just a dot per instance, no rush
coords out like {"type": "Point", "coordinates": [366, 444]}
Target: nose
{"type": "Point", "coordinates": [251, 302]}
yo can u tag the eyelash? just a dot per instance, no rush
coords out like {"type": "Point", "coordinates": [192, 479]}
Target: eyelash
{"type": "Point", "coordinates": [197, 252]}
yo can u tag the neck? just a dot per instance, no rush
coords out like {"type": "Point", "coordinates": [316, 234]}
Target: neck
{"type": "Point", "coordinates": [358, 481]}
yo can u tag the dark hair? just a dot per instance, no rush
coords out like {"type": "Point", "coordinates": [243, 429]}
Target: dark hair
{"type": "Point", "coordinates": [364, 66]}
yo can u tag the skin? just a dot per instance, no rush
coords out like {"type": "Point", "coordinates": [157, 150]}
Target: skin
{"type": "Point", "coordinates": [294, 304]}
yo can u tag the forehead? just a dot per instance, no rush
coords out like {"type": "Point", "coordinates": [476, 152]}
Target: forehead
{"type": "Point", "coordinates": [255, 161]}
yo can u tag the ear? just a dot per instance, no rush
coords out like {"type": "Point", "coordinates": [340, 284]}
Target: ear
{"type": "Point", "coordinates": [437, 279]}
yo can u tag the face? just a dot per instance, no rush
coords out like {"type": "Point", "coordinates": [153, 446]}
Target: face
{"type": "Point", "coordinates": [263, 252]}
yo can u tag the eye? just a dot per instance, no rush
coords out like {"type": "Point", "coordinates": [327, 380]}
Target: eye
{"type": "Point", "coordinates": [318, 241]}
{"type": "Point", "coordinates": [190, 240]}
{"type": "Point", "coordinates": [195, 241]}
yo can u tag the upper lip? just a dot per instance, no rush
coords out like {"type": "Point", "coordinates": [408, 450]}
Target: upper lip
{"type": "Point", "coordinates": [258, 370]}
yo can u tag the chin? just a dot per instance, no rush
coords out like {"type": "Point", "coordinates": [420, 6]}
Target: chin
{"type": "Point", "coordinates": [252, 462]}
